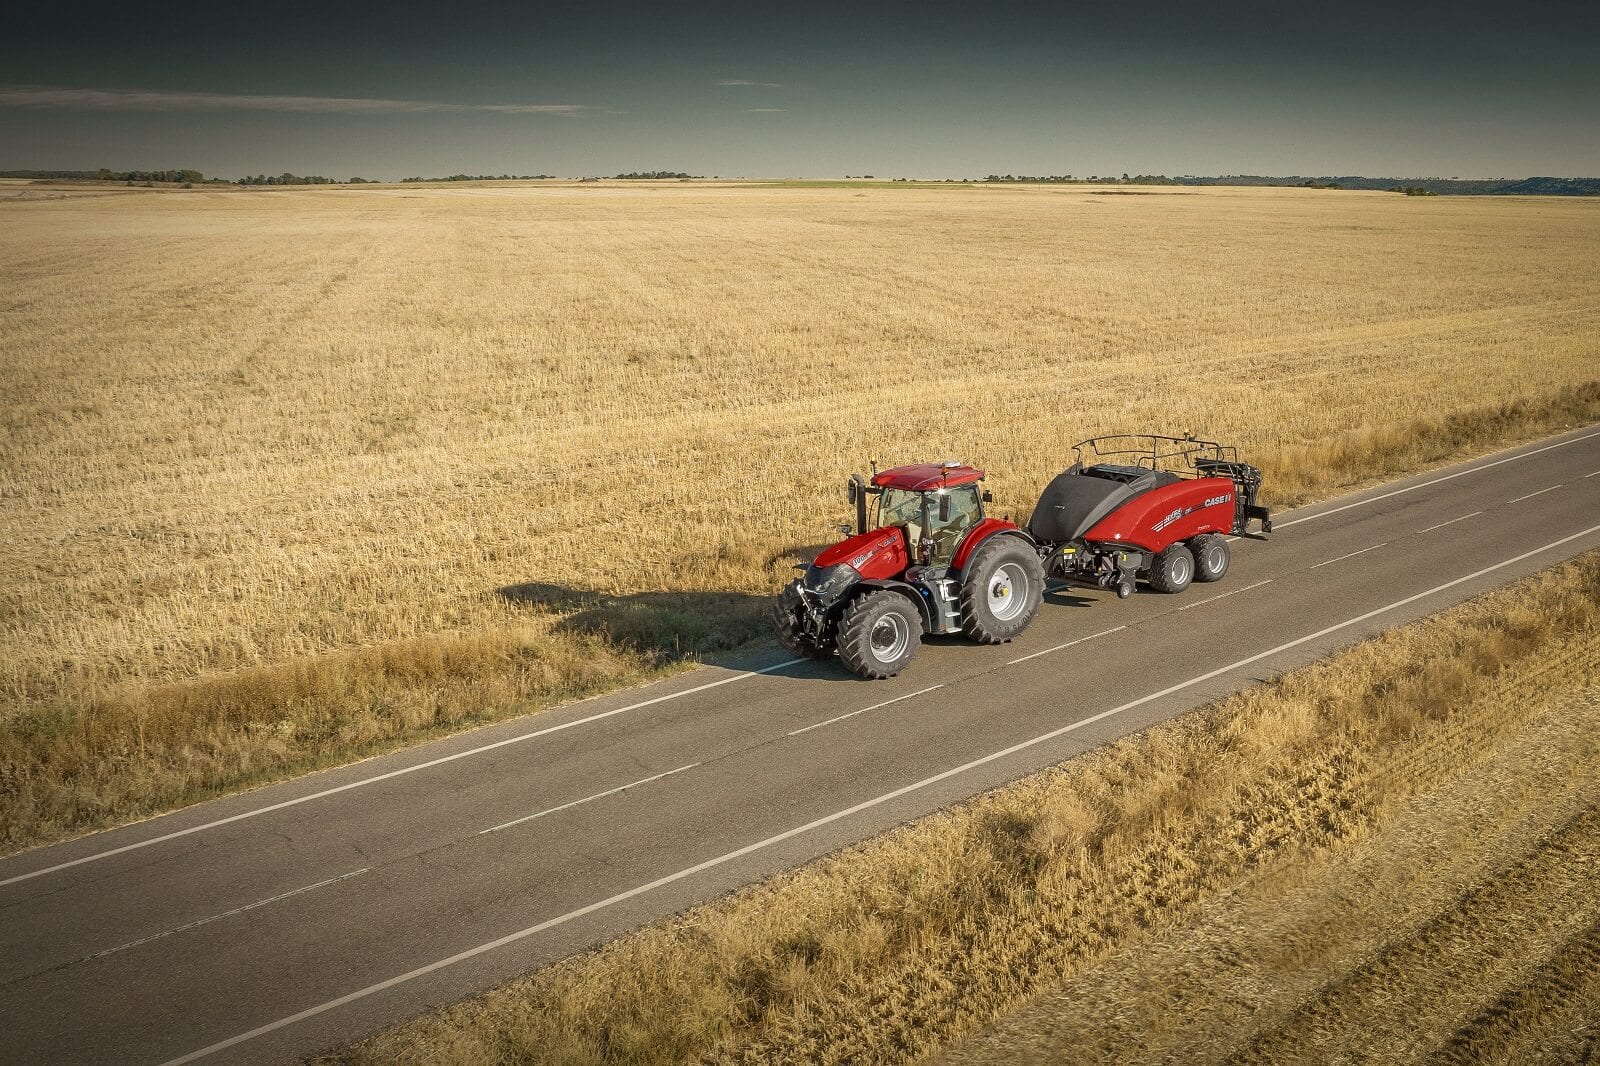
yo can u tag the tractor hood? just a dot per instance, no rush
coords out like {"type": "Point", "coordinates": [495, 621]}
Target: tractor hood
{"type": "Point", "coordinates": [877, 553]}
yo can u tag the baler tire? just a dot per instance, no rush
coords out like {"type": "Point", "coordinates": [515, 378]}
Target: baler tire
{"type": "Point", "coordinates": [786, 621]}
{"type": "Point", "coordinates": [1211, 556]}
{"type": "Point", "coordinates": [990, 584]}
{"type": "Point", "coordinates": [1172, 569]}
{"type": "Point", "coordinates": [878, 634]}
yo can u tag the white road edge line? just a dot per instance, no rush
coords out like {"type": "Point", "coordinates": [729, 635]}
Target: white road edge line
{"type": "Point", "coordinates": [1068, 644]}
{"type": "Point", "coordinates": [1437, 480]}
{"type": "Point", "coordinates": [225, 914]}
{"type": "Point", "coordinates": [828, 819]}
{"type": "Point", "coordinates": [1223, 596]}
{"type": "Point", "coordinates": [586, 799]}
{"type": "Point", "coordinates": [1352, 555]}
{"type": "Point", "coordinates": [1531, 495]}
{"type": "Point", "coordinates": [401, 772]}
{"type": "Point", "coordinates": [1586, 477]}
{"type": "Point", "coordinates": [1452, 522]}
{"type": "Point", "coordinates": [864, 710]}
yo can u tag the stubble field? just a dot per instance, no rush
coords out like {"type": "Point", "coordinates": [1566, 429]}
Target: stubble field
{"type": "Point", "coordinates": [287, 475]}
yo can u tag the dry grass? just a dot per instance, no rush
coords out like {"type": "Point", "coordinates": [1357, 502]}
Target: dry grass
{"type": "Point", "coordinates": [1396, 841]}
{"type": "Point", "coordinates": [255, 438]}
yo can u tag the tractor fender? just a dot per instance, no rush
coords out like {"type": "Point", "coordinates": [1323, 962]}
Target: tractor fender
{"type": "Point", "coordinates": [905, 589]}
{"type": "Point", "coordinates": [981, 534]}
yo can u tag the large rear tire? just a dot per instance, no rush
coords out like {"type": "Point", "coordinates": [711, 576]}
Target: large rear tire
{"type": "Point", "coordinates": [878, 634]}
{"type": "Point", "coordinates": [786, 620]}
{"type": "Point", "coordinates": [1173, 569]}
{"type": "Point", "coordinates": [1211, 556]}
{"type": "Point", "coordinates": [1001, 591]}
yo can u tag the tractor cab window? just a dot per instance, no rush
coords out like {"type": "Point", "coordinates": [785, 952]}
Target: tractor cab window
{"type": "Point", "coordinates": [899, 507]}
{"type": "Point", "coordinates": [966, 510]}
{"type": "Point", "coordinates": [902, 507]}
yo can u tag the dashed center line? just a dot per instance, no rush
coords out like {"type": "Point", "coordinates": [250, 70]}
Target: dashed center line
{"type": "Point", "coordinates": [225, 914]}
{"type": "Point", "coordinates": [1452, 522]}
{"type": "Point", "coordinates": [864, 710]}
{"type": "Point", "coordinates": [1068, 644]}
{"type": "Point", "coordinates": [587, 799]}
{"type": "Point", "coordinates": [1531, 495]}
{"type": "Point", "coordinates": [1590, 475]}
{"type": "Point", "coordinates": [1352, 555]}
{"type": "Point", "coordinates": [400, 772]}
{"type": "Point", "coordinates": [1223, 596]}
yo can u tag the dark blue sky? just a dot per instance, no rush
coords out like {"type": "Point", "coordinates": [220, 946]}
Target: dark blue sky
{"type": "Point", "coordinates": [926, 89]}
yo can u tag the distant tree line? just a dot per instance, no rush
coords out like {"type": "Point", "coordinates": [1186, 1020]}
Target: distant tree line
{"type": "Point", "coordinates": [291, 179]}
{"type": "Point", "coordinates": [1541, 186]}
{"type": "Point", "coordinates": [174, 177]}
{"type": "Point", "coordinates": [654, 175]}
{"type": "Point", "coordinates": [483, 177]}
{"type": "Point", "coordinates": [1414, 190]}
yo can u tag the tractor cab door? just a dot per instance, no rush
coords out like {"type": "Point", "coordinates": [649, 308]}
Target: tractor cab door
{"type": "Point", "coordinates": [965, 510]}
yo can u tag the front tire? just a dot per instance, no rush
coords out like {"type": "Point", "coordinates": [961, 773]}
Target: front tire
{"type": "Point", "coordinates": [786, 620]}
{"type": "Point", "coordinates": [1002, 590]}
{"type": "Point", "coordinates": [1211, 556]}
{"type": "Point", "coordinates": [1173, 569]}
{"type": "Point", "coordinates": [878, 634]}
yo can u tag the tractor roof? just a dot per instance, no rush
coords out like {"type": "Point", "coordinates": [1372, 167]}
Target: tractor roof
{"type": "Point", "coordinates": [924, 476]}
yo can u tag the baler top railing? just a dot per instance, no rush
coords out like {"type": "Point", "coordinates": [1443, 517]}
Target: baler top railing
{"type": "Point", "coordinates": [1153, 451]}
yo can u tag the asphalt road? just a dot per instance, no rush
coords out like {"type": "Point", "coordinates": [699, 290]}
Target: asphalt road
{"type": "Point", "coordinates": [266, 926]}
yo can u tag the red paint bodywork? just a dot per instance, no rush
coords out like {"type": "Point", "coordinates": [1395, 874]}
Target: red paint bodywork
{"type": "Point", "coordinates": [877, 554]}
{"type": "Point", "coordinates": [1183, 510]}
{"type": "Point", "coordinates": [976, 536]}
{"type": "Point", "coordinates": [924, 476]}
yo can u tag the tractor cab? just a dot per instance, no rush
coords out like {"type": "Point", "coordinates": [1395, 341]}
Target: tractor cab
{"type": "Point", "coordinates": [936, 504]}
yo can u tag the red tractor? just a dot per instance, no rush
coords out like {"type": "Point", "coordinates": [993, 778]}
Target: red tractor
{"type": "Point", "coordinates": [925, 558]}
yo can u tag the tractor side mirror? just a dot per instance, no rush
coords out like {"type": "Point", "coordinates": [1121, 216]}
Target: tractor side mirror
{"type": "Point", "coordinates": [857, 493]}
{"type": "Point", "coordinates": [944, 508]}
{"type": "Point", "coordinates": [988, 497]}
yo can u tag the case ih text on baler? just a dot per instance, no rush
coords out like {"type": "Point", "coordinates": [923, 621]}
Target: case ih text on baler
{"type": "Point", "coordinates": [925, 558]}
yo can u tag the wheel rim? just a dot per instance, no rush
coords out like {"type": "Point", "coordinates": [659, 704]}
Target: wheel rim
{"type": "Point", "coordinates": [1007, 592]}
{"type": "Point", "coordinates": [889, 638]}
{"type": "Point", "coordinates": [1214, 560]}
{"type": "Point", "coordinates": [1180, 571]}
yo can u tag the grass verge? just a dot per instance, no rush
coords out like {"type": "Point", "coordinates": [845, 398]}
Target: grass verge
{"type": "Point", "coordinates": [890, 951]}
{"type": "Point", "coordinates": [68, 766]}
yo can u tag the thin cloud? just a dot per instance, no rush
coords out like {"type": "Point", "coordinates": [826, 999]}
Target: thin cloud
{"type": "Point", "coordinates": [729, 82]}
{"type": "Point", "coordinates": [42, 96]}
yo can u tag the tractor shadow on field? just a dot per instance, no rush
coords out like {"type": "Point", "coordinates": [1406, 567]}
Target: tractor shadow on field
{"type": "Point", "coordinates": [714, 626]}
{"type": "Point", "coordinates": [672, 625]}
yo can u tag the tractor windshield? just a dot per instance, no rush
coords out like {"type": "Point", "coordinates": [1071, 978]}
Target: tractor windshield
{"type": "Point", "coordinates": [898, 507]}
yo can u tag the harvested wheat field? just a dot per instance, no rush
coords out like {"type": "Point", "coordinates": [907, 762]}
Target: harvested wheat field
{"type": "Point", "coordinates": [1385, 856]}
{"type": "Point", "coordinates": [291, 475]}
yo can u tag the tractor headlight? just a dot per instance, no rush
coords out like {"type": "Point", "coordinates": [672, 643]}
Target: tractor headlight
{"type": "Point", "coordinates": [828, 583]}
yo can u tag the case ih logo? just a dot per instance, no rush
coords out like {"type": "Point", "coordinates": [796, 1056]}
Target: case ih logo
{"type": "Point", "coordinates": [1180, 512]}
